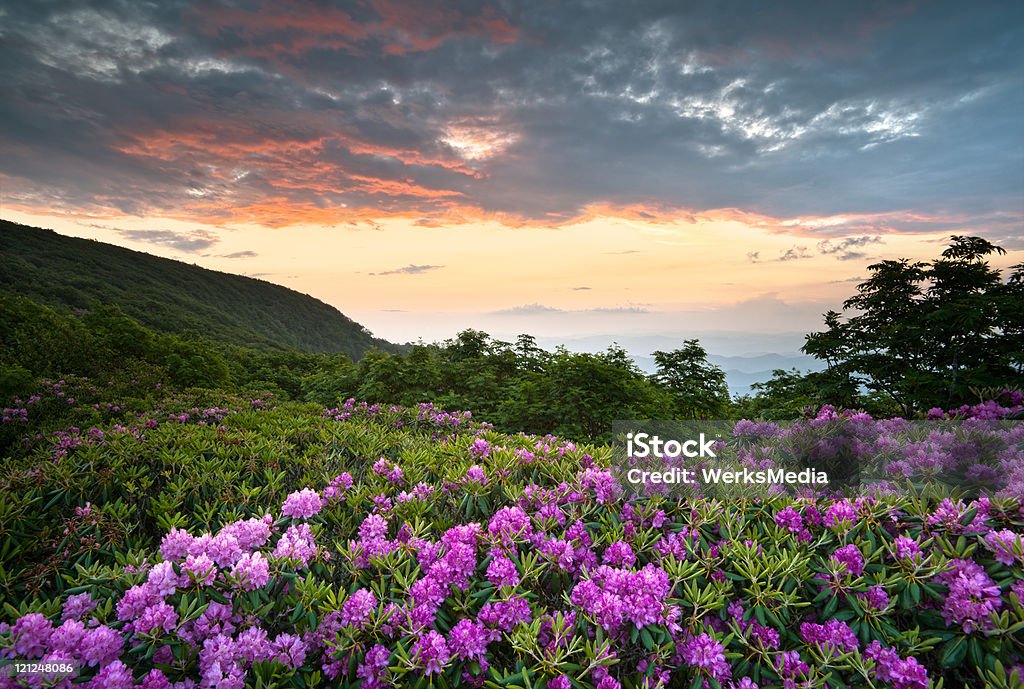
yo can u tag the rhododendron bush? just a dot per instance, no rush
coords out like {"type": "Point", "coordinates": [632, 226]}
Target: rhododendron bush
{"type": "Point", "coordinates": [239, 544]}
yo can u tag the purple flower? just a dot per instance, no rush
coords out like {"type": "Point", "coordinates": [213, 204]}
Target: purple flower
{"type": "Point", "coordinates": [619, 554]}
{"type": "Point", "coordinates": [252, 571]}
{"type": "Point", "coordinates": [155, 679]}
{"type": "Point", "coordinates": [906, 548]}
{"type": "Point", "coordinates": [789, 665]}
{"type": "Point", "coordinates": [358, 608]}
{"type": "Point", "coordinates": [217, 620]}
{"type": "Point", "coordinates": [336, 489]}
{"type": "Point", "coordinates": [31, 634]}
{"type": "Point", "coordinates": [707, 654]}
{"type": "Point", "coordinates": [899, 672]}
{"type": "Point", "coordinates": [289, 650]}
{"type": "Point", "coordinates": [948, 514]}
{"type": "Point", "coordinates": [560, 682]}
{"type": "Point", "coordinates": [850, 556]}
{"type": "Point", "coordinates": [374, 527]}
{"type": "Point", "coordinates": [78, 605]}
{"type": "Point", "coordinates": [833, 637]}
{"type": "Point", "coordinates": [101, 646]}
{"type": "Point", "coordinates": [67, 638]}
{"type": "Point", "coordinates": [175, 545]}
{"type": "Point", "coordinates": [389, 470]}
{"type": "Point", "coordinates": [972, 596]}
{"type": "Point", "coordinates": [765, 637]}
{"type": "Point", "coordinates": [613, 596]}
{"type": "Point", "coordinates": [134, 601]}
{"type": "Point", "coordinates": [789, 518]}
{"type": "Point", "coordinates": [297, 544]}
{"type": "Point", "coordinates": [114, 676]}
{"type": "Point", "coordinates": [223, 549]}
{"type": "Point", "coordinates": [509, 524]}
{"type": "Point", "coordinates": [606, 487]}
{"type": "Point", "coordinates": [219, 664]}
{"type": "Point", "coordinates": [250, 533]}
{"type": "Point", "coordinates": [373, 669]}
{"type": "Point", "coordinates": [504, 615]}
{"type": "Point", "coordinates": [163, 580]}
{"type": "Point", "coordinates": [302, 504]}
{"type": "Point", "coordinates": [875, 598]}
{"type": "Point", "coordinates": [253, 645]}
{"type": "Point", "coordinates": [475, 474]}
{"type": "Point", "coordinates": [468, 640]}
{"type": "Point", "coordinates": [502, 572]}
{"type": "Point", "coordinates": [1007, 546]}
{"type": "Point", "coordinates": [199, 569]}
{"type": "Point", "coordinates": [842, 514]}
{"type": "Point", "coordinates": [430, 653]}
{"type": "Point", "coordinates": [157, 617]}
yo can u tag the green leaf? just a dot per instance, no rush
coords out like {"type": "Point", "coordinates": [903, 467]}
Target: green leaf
{"type": "Point", "coordinates": [955, 652]}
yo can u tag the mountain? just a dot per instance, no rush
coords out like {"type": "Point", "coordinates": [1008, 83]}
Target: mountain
{"type": "Point", "coordinates": [171, 296]}
{"type": "Point", "coordinates": [749, 365]}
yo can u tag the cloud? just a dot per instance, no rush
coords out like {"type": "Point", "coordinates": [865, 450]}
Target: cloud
{"type": "Point", "coordinates": [240, 254]}
{"type": "Point", "coordinates": [847, 249]}
{"type": "Point", "coordinates": [544, 310]}
{"type": "Point", "coordinates": [527, 310]}
{"type": "Point", "coordinates": [793, 254]}
{"type": "Point", "coordinates": [187, 242]}
{"type": "Point", "coordinates": [410, 269]}
{"type": "Point", "coordinates": [287, 113]}
{"type": "Point", "coordinates": [580, 289]}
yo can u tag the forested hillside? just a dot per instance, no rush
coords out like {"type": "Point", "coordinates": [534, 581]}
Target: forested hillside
{"type": "Point", "coordinates": [170, 296]}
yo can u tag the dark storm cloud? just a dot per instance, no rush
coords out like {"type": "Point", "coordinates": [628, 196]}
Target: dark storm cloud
{"type": "Point", "coordinates": [284, 112]}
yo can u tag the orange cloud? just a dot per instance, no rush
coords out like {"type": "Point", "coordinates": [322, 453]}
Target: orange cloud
{"type": "Point", "coordinates": [290, 28]}
{"type": "Point", "coordinates": [422, 26]}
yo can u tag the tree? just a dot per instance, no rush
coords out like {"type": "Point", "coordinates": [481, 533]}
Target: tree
{"type": "Point", "coordinates": [928, 334]}
{"type": "Point", "coordinates": [792, 394]}
{"type": "Point", "coordinates": [697, 386]}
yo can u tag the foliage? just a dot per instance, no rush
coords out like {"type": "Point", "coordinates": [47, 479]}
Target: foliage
{"type": "Point", "coordinates": [230, 541]}
{"type": "Point", "coordinates": [170, 296]}
{"type": "Point", "coordinates": [928, 334]}
{"type": "Point", "coordinates": [698, 387]}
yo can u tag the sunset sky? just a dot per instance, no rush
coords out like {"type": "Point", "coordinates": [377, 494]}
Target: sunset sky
{"type": "Point", "coordinates": [717, 169]}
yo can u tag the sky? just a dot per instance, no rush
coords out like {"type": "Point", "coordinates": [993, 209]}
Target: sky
{"type": "Point", "coordinates": [575, 169]}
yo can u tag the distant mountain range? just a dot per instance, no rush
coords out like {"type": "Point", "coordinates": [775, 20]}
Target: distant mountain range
{"type": "Point", "coordinates": [748, 365]}
{"type": "Point", "coordinates": [176, 297]}
{"type": "Point", "coordinates": [171, 296]}
{"type": "Point", "coordinates": [743, 371]}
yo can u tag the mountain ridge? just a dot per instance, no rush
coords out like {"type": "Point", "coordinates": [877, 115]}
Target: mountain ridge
{"type": "Point", "coordinates": [173, 296]}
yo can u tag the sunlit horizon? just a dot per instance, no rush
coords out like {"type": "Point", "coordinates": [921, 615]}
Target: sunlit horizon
{"type": "Point", "coordinates": [607, 172]}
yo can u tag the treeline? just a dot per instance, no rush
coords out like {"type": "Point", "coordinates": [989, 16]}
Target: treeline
{"type": "Point", "coordinates": [919, 335]}
{"type": "Point", "coordinates": [516, 386]}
